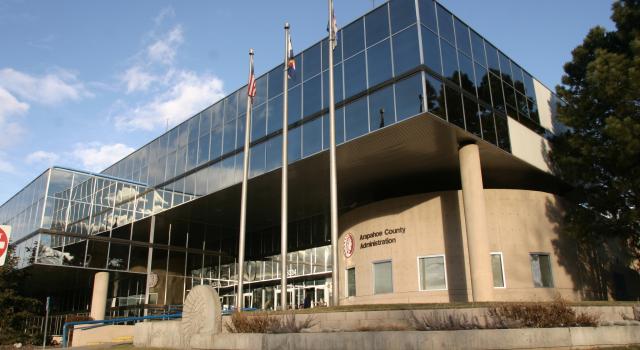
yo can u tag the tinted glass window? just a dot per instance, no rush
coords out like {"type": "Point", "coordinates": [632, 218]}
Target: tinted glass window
{"type": "Point", "coordinates": [431, 49]}
{"type": "Point", "coordinates": [261, 90]}
{"type": "Point", "coordinates": [294, 145]}
{"type": "Point", "coordinates": [274, 153]}
{"type": "Point", "coordinates": [337, 52]}
{"type": "Point", "coordinates": [541, 270]}
{"type": "Point", "coordinates": [377, 24]}
{"type": "Point", "coordinates": [435, 97]}
{"type": "Point", "coordinates": [496, 269]}
{"type": "Point", "coordinates": [353, 37]}
{"type": "Point", "coordinates": [355, 69]}
{"type": "Point", "coordinates": [381, 108]}
{"type": "Point", "coordinates": [193, 128]}
{"type": "Point", "coordinates": [312, 96]}
{"type": "Point", "coordinates": [403, 14]}
{"type": "Point", "coordinates": [488, 124]}
{"type": "Point", "coordinates": [312, 61]}
{"type": "Point", "coordinates": [356, 119]}
{"type": "Point", "coordinates": [339, 128]}
{"type": "Point", "coordinates": [275, 81]}
{"type": "Point", "coordinates": [240, 131]}
{"type": "Point", "coordinates": [496, 93]}
{"type": "Point", "coordinates": [216, 143]}
{"type": "Point", "coordinates": [379, 58]}
{"type": "Point", "coordinates": [492, 58]}
{"type": "Point", "coordinates": [203, 149]}
{"type": "Point", "coordinates": [231, 107]}
{"type": "Point", "coordinates": [523, 110]}
{"type": "Point", "coordinates": [477, 44]}
{"type": "Point", "coordinates": [462, 37]}
{"type": "Point", "coordinates": [471, 116]}
{"type": "Point", "coordinates": [528, 86]}
{"type": "Point", "coordinates": [445, 22]}
{"type": "Point", "coordinates": [192, 155]}
{"type": "Point", "coordinates": [274, 115]}
{"type": "Point", "coordinates": [312, 137]}
{"type": "Point", "coordinates": [518, 84]}
{"type": "Point", "coordinates": [432, 273]}
{"type": "Point", "coordinates": [337, 86]}
{"type": "Point", "coordinates": [454, 106]}
{"type": "Point", "coordinates": [257, 160]}
{"type": "Point", "coordinates": [467, 78]}
{"type": "Point", "coordinates": [505, 68]}
{"type": "Point", "coordinates": [258, 122]}
{"type": "Point", "coordinates": [205, 126]}
{"type": "Point", "coordinates": [482, 83]}
{"type": "Point", "coordinates": [229, 138]}
{"type": "Point", "coordinates": [406, 51]}
{"type": "Point", "coordinates": [409, 97]}
{"type": "Point", "coordinates": [502, 131]}
{"type": "Point", "coordinates": [428, 14]}
{"type": "Point", "coordinates": [351, 282]}
{"type": "Point", "coordinates": [217, 114]}
{"type": "Point", "coordinates": [295, 104]}
{"type": "Point", "coordinates": [449, 62]}
{"type": "Point", "coordinates": [382, 278]}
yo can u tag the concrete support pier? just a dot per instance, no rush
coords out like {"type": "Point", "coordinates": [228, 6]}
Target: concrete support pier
{"type": "Point", "coordinates": [476, 223]}
{"type": "Point", "coordinates": [99, 297]}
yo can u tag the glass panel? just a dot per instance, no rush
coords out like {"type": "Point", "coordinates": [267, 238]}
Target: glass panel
{"type": "Point", "coordinates": [274, 153]}
{"type": "Point", "coordinates": [477, 44]}
{"type": "Point", "coordinates": [351, 282]}
{"type": "Point", "coordinates": [381, 107]}
{"type": "Point", "coordinates": [355, 69]}
{"type": "Point", "coordinates": [312, 137]}
{"type": "Point", "coordinates": [529, 87]}
{"type": "Point", "coordinates": [118, 257]}
{"type": "Point", "coordinates": [449, 62]}
{"type": "Point", "coordinates": [403, 14]}
{"type": "Point", "coordinates": [274, 115]}
{"type": "Point", "coordinates": [203, 149]}
{"type": "Point", "coordinates": [492, 58]}
{"type": "Point", "coordinates": [409, 97]}
{"type": "Point", "coordinates": [337, 86]}
{"type": "Point", "coordinates": [275, 81]}
{"type": "Point", "coordinates": [462, 37]}
{"type": "Point", "coordinates": [471, 116]}
{"type": "Point", "coordinates": [435, 97]}
{"type": "Point", "coordinates": [379, 63]}
{"type": "Point", "coordinates": [406, 51]}
{"type": "Point", "coordinates": [496, 93]}
{"type": "Point", "coordinates": [353, 37]}
{"type": "Point", "coordinates": [502, 132]}
{"type": "Point", "coordinates": [431, 50]}
{"type": "Point", "coordinates": [356, 118]}
{"type": "Point", "coordinates": [339, 128]}
{"type": "Point", "coordinates": [482, 83]}
{"type": "Point", "coordinates": [467, 78]}
{"type": "Point", "coordinates": [488, 125]}
{"type": "Point", "coordinates": [454, 106]}
{"type": "Point", "coordinates": [432, 273]}
{"type": "Point", "coordinates": [428, 14]}
{"type": "Point", "coordinates": [240, 131]}
{"type": "Point", "coordinates": [311, 61]}
{"type": "Point", "coordinates": [261, 91]}
{"type": "Point", "coordinates": [505, 68]}
{"type": "Point", "coordinates": [229, 138]}
{"type": "Point", "coordinates": [295, 104]}
{"type": "Point", "coordinates": [541, 270]}
{"type": "Point", "coordinates": [216, 143]}
{"type": "Point", "coordinates": [258, 122]}
{"type": "Point", "coordinates": [294, 145]}
{"type": "Point", "coordinates": [257, 160]}
{"type": "Point", "coordinates": [496, 268]}
{"type": "Point", "coordinates": [312, 96]}
{"type": "Point", "coordinates": [377, 24]}
{"type": "Point", "coordinates": [382, 278]}
{"type": "Point", "coordinates": [445, 22]}
{"type": "Point", "coordinates": [231, 107]}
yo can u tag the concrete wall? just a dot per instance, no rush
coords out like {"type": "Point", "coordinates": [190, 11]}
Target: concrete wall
{"type": "Point", "coordinates": [102, 335]}
{"type": "Point", "coordinates": [528, 146]}
{"type": "Point", "coordinates": [546, 106]}
{"type": "Point", "coordinates": [519, 222]}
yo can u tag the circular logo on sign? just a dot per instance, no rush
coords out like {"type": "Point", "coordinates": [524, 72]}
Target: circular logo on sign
{"type": "Point", "coordinates": [152, 281]}
{"type": "Point", "coordinates": [4, 242]}
{"type": "Point", "coordinates": [348, 245]}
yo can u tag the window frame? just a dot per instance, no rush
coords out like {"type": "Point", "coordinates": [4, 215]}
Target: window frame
{"type": "Point", "coordinates": [504, 277]}
{"type": "Point", "coordinates": [373, 275]}
{"type": "Point", "coordinates": [446, 280]}
{"type": "Point", "coordinates": [531, 254]}
{"type": "Point", "coordinates": [346, 279]}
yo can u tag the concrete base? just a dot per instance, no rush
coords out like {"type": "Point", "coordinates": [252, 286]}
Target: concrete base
{"type": "Point", "coordinates": [103, 335]}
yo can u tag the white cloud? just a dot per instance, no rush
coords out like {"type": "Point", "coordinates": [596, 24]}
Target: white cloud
{"type": "Point", "coordinates": [96, 156]}
{"type": "Point", "coordinates": [10, 107]}
{"type": "Point", "coordinates": [42, 157]}
{"type": "Point", "coordinates": [187, 94]}
{"type": "Point", "coordinates": [164, 49]}
{"type": "Point", "coordinates": [50, 89]}
{"type": "Point", "coordinates": [137, 79]}
{"type": "Point", "coordinates": [5, 165]}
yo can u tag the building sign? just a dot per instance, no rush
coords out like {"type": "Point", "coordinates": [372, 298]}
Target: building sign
{"type": "Point", "coordinates": [376, 238]}
{"type": "Point", "coordinates": [348, 245]}
{"type": "Point", "coordinates": [5, 233]}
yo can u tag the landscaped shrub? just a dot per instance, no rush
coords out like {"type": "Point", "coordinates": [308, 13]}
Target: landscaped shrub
{"type": "Point", "coordinates": [542, 315]}
{"type": "Point", "coordinates": [440, 321]}
{"type": "Point", "coordinates": [243, 322]}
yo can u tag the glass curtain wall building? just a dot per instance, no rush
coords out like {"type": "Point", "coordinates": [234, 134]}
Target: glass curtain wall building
{"type": "Point", "coordinates": [403, 59]}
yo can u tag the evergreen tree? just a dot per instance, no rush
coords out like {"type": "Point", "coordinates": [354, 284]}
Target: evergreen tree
{"type": "Point", "coordinates": [599, 154]}
{"type": "Point", "coordinates": [15, 309]}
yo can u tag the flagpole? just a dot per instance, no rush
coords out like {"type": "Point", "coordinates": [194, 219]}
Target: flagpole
{"type": "Point", "coordinates": [243, 200]}
{"type": "Point", "coordinates": [333, 182]}
{"type": "Point", "coordinates": [285, 196]}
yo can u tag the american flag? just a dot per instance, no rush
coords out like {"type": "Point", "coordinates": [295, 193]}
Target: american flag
{"type": "Point", "coordinates": [251, 87]}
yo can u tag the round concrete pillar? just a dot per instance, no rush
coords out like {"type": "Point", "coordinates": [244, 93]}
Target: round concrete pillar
{"type": "Point", "coordinates": [99, 298]}
{"type": "Point", "coordinates": [476, 223]}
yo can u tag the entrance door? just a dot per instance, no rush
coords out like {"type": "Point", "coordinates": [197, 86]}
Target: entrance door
{"type": "Point", "coordinates": [248, 299]}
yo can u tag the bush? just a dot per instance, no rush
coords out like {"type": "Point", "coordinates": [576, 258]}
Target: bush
{"type": "Point", "coordinates": [439, 321]}
{"type": "Point", "coordinates": [542, 315]}
{"type": "Point", "coordinates": [242, 322]}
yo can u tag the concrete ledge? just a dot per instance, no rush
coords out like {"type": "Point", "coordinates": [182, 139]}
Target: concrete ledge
{"type": "Point", "coordinates": [102, 335]}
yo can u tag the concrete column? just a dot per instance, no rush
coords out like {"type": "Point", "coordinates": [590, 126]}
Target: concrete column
{"type": "Point", "coordinates": [476, 223]}
{"type": "Point", "coordinates": [99, 298]}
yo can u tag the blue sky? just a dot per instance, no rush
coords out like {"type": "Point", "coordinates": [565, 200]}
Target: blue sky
{"type": "Point", "coordinates": [83, 83]}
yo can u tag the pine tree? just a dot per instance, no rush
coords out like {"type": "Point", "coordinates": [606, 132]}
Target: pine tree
{"type": "Point", "coordinates": [15, 309]}
{"type": "Point", "coordinates": [599, 154]}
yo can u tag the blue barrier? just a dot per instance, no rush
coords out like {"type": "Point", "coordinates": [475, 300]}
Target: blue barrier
{"type": "Point", "coordinates": [65, 328]}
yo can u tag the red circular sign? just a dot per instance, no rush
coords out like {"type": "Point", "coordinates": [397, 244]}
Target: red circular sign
{"type": "Point", "coordinates": [348, 245]}
{"type": "Point", "coordinates": [4, 242]}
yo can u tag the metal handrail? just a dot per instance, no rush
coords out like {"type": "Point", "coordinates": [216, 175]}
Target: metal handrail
{"type": "Point", "coordinates": [65, 328]}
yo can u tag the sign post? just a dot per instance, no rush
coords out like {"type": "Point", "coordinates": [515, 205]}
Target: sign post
{"type": "Point", "coordinates": [5, 234]}
{"type": "Point", "coordinates": [46, 323]}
